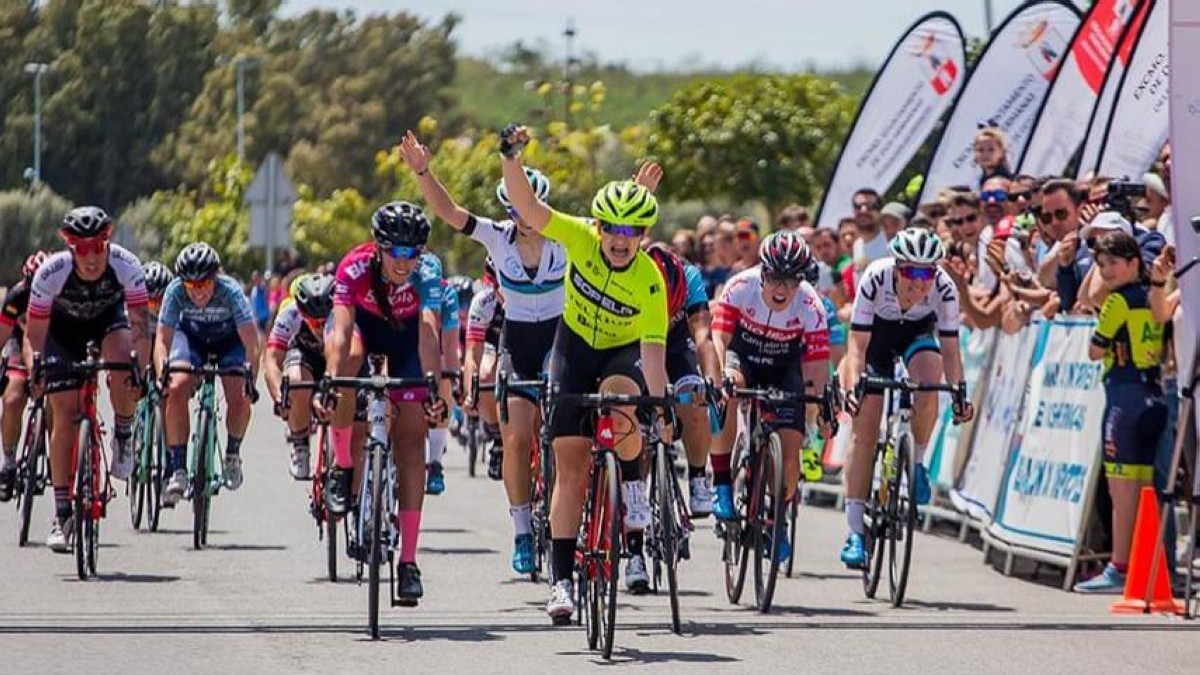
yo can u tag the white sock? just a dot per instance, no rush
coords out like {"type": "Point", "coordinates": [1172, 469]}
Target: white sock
{"type": "Point", "coordinates": [856, 510]}
{"type": "Point", "coordinates": [522, 517]}
{"type": "Point", "coordinates": [437, 445]}
{"type": "Point", "coordinates": [920, 452]}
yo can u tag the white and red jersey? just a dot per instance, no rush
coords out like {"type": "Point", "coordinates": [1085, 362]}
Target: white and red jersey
{"type": "Point", "coordinates": [485, 319]}
{"type": "Point", "coordinates": [289, 330]}
{"type": "Point", "coordinates": [768, 338]}
{"type": "Point", "coordinates": [57, 291]}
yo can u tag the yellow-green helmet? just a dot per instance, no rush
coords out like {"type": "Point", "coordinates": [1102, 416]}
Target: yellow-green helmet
{"type": "Point", "coordinates": [624, 202]}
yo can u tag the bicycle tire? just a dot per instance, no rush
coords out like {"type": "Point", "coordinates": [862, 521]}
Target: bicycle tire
{"type": "Point", "coordinates": [375, 540]}
{"type": "Point", "coordinates": [472, 444]}
{"type": "Point", "coordinates": [34, 466]}
{"type": "Point", "coordinates": [904, 520]}
{"type": "Point", "coordinates": [793, 514]}
{"type": "Point", "coordinates": [158, 461]}
{"type": "Point", "coordinates": [734, 551]}
{"type": "Point", "coordinates": [769, 530]}
{"type": "Point", "coordinates": [200, 484]}
{"type": "Point", "coordinates": [589, 567]}
{"type": "Point", "coordinates": [875, 529]}
{"type": "Point", "coordinates": [610, 572]}
{"type": "Point", "coordinates": [667, 529]}
{"type": "Point", "coordinates": [82, 498]}
{"type": "Point", "coordinates": [327, 519]}
{"type": "Point", "coordinates": [136, 486]}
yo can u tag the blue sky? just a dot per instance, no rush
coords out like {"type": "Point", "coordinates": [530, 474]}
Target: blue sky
{"type": "Point", "coordinates": [669, 34]}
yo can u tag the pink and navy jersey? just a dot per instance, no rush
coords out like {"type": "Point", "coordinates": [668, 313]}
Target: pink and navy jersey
{"type": "Point", "coordinates": [355, 287]}
{"type": "Point", "coordinates": [769, 338]}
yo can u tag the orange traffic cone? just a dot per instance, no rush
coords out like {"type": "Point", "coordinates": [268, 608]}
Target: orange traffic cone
{"type": "Point", "coordinates": [1141, 555]}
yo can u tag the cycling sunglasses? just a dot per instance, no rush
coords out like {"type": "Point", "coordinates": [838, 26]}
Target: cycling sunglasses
{"type": "Point", "coordinates": [997, 196]}
{"type": "Point", "coordinates": [916, 273]}
{"type": "Point", "coordinates": [404, 252]}
{"type": "Point", "coordinates": [1051, 216]}
{"type": "Point", "coordinates": [88, 246]}
{"type": "Point", "coordinates": [198, 284]}
{"type": "Point", "coordinates": [623, 230]}
{"type": "Point", "coordinates": [780, 280]}
{"type": "Point", "coordinates": [969, 218]}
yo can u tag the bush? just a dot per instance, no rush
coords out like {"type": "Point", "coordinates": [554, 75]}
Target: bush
{"type": "Point", "coordinates": [28, 221]}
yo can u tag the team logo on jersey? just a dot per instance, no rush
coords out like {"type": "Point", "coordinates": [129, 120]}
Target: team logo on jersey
{"type": "Point", "coordinates": [606, 302]}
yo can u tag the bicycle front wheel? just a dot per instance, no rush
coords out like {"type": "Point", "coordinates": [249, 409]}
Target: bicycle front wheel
{"type": "Point", "coordinates": [902, 512]}
{"type": "Point", "coordinates": [201, 483]}
{"type": "Point", "coordinates": [609, 554]}
{"type": "Point", "coordinates": [875, 530]}
{"type": "Point", "coordinates": [375, 543]}
{"type": "Point", "coordinates": [472, 444]}
{"type": "Point", "coordinates": [666, 528]}
{"type": "Point", "coordinates": [83, 500]}
{"type": "Point", "coordinates": [735, 551]}
{"type": "Point", "coordinates": [138, 484]}
{"type": "Point", "coordinates": [157, 457]}
{"type": "Point", "coordinates": [768, 527]}
{"type": "Point", "coordinates": [793, 514]}
{"type": "Point", "coordinates": [330, 525]}
{"type": "Point", "coordinates": [33, 469]}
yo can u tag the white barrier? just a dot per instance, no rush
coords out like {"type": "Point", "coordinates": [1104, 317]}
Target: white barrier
{"type": "Point", "coordinates": [947, 443]}
{"type": "Point", "coordinates": [979, 486]}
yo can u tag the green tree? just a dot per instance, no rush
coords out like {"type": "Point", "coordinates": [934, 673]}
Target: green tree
{"type": "Point", "coordinates": [28, 221]}
{"type": "Point", "coordinates": [767, 138]}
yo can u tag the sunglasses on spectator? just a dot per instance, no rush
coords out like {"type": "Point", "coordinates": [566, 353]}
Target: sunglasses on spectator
{"type": "Point", "coordinates": [199, 284]}
{"type": "Point", "coordinates": [1022, 196]}
{"type": "Point", "coordinates": [88, 246]}
{"type": "Point", "coordinates": [776, 279]}
{"type": "Point", "coordinates": [623, 230]}
{"type": "Point", "coordinates": [998, 196]}
{"type": "Point", "coordinates": [405, 252]}
{"type": "Point", "coordinates": [866, 206]}
{"type": "Point", "coordinates": [1051, 216]}
{"type": "Point", "coordinates": [915, 273]}
{"type": "Point", "coordinates": [969, 218]}
{"type": "Point", "coordinates": [746, 235]}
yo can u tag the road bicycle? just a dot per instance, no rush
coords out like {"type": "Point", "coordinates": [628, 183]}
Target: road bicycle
{"type": "Point", "coordinates": [377, 536]}
{"type": "Point", "coordinates": [145, 484]}
{"type": "Point", "coordinates": [541, 464]}
{"type": "Point", "coordinates": [33, 467]}
{"type": "Point", "coordinates": [891, 513]}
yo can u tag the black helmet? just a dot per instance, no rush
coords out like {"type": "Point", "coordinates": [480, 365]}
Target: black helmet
{"type": "Point", "coordinates": [314, 295]}
{"type": "Point", "coordinates": [158, 277]}
{"type": "Point", "coordinates": [400, 224]}
{"type": "Point", "coordinates": [197, 261]}
{"type": "Point", "coordinates": [86, 222]}
{"type": "Point", "coordinates": [784, 253]}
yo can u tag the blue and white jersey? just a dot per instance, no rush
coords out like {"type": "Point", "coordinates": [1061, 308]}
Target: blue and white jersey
{"type": "Point", "coordinates": [213, 323]}
{"type": "Point", "coordinates": [450, 318]}
{"type": "Point", "coordinates": [837, 333]}
{"type": "Point", "coordinates": [528, 298]}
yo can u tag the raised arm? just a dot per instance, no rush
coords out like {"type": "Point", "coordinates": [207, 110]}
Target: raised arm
{"type": "Point", "coordinates": [436, 197]}
{"type": "Point", "coordinates": [534, 213]}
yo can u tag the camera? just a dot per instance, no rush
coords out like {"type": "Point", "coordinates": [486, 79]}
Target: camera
{"type": "Point", "coordinates": [1121, 194]}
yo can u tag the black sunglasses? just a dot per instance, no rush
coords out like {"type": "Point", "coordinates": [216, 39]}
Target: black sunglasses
{"type": "Point", "coordinates": [1051, 216]}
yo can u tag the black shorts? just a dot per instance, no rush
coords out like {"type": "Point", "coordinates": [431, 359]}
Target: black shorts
{"type": "Point", "coordinates": [1135, 416]}
{"type": "Point", "coordinates": [682, 360]}
{"type": "Point", "coordinates": [314, 363]}
{"type": "Point", "coordinates": [899, 341]}
{"type": "Point", "coordinates": [525, 352]}
{"type": "Point", "coordinates": [66, 342]}
{"type": "Point", "coordinates": [785, 379]}
{"type": "Point", "coordinates": [579, 369]}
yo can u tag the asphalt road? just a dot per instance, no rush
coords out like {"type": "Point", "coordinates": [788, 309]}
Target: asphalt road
{"type": "Point", "coordinates": [257, 601]}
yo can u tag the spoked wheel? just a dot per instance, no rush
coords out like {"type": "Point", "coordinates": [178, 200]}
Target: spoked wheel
{"type": "Point", "coordinates": [472, 424]}
{"type": "Point", "coordinates": [667, 530]}
{"type": "Point", "coordinates": [793, 513]}
{"type": "Point", "coordinates": [200, 490]}
{"type": "Point", "coordinates": [375, 543]}
{"type": "Point", "coordinates": [157, 457]}
{"type": "Point", "coordinates": [767, 528]}
{"type": "Point", "coordinates": [902, 514]}
{"type": "Point", "coordinates": [82, 519]}
{"type": "Point", "coordinates": [875, 532]}
{"type": "Point", "coordinates": [32, 471]}
{"type": "Point", "coordinates": [735, 550]}
{"type": "Point", "coordinates": [138, 484]}
{"type": "Point", "coordinates": [602, 559]}
{"type": "Point", "coordinates": [327, 524]}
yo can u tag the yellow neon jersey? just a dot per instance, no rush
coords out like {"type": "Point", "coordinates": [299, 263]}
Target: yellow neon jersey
{"type": "Point", "coordinates": [608, 307]}
{"type": "Point", "coordinates": [1128, 331]}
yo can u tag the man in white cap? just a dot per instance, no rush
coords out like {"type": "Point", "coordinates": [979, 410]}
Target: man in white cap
{"type": "Point", "coordinates": [1157, 215]}
{"type": "Point", "coordinates": [893, 217]}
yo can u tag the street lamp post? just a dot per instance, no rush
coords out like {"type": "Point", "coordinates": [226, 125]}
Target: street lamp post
{"type": "Point", "coordinates": [37, 70]}
{"type": "Point", "coordinates": [240, 63]}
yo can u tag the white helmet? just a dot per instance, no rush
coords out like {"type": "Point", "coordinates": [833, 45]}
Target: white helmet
{"type": "Point", "coordinates": [917, 246]}
{"type": "Point", "coordinates": [538, 181]}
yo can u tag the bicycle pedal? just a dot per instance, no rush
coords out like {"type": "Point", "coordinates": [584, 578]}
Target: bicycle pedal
{"type": "Point", "coordinates": [405, 602]}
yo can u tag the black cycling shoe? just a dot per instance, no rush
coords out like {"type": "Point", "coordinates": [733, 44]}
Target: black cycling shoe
{"type": "Point", "coordinates": [337, 492]}
{"type": "Point", "coordinates": [8, 480]}
{"type": "Point", "coordinates": [496, 461]}
{"type": "Point", "coordinates": [410, 588]}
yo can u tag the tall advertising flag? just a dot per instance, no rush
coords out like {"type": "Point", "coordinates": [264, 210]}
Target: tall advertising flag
{"type": "Point", "coordinates": [1063, 120]}
{"type": "Point", "coordinates": [1185, 175]}
{"type": "Point", "coordinates": [1137, 128]}
{"type": "Point", "coordinates": [1108, 93]}
{"type": "Point", "coordinates": [1004, 90]}
{"type": "Point", "coordinates": [916, 84]}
